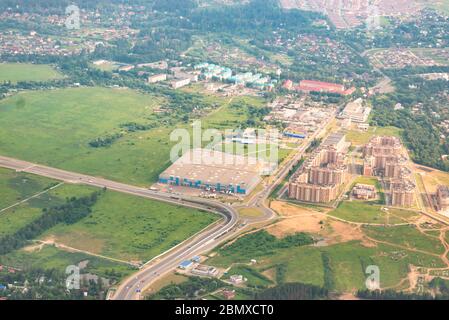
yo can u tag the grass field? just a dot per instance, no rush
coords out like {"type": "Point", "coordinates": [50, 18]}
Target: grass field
{"type": "Point", "coordinates": [16, 72]}
{"type": "Point", "coordinates": [370, 212]}
{"type": "Point", "coordinates": [121, 226]}
{"type": "Point", "coordinates": [81, 115]}
{"type": "Point", "coordinates": [359, 138]}
{"type": "Point", "coordinates": [131, 228]}
{"type": "Point", "coordinates": [348, 262]}
{"type": "Point", "coordinates": [50, 257]}
{"type": "Point", "coordinates": [15, 187]}
{"type": "Point", "coordinates": [407, 236]}
{"type": "Point", "coordinates": [339, 264]}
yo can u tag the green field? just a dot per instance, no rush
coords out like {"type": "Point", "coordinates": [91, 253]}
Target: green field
{"type": "Point", "coordinates": [15, 187]}
{"type": "Point", "coordinates": [359, 138]}
{"type": "Point", "coordinates": [370, 212]}
{"type": "Point", "coordinates": [16, 72]}
{"type": "Point", "coordinates": [50, 257]}
{"type": "Point", "coordinates": [130, 228]}
{"type": "Point", "coordinates": [120, 226]}
{"type": "Point", "coordinates": [80, 116]}
{"type": "Point", "coordinates": [407, 236]}
{"type": "Point", "coordinates": [348, 262]}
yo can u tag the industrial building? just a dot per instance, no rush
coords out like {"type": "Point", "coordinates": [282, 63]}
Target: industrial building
{"type": "Point", "coordinates": [384, 157]}
{"type": "Point", "coordinates": [319, 86]}
{"type": "Point", "coordinates": [356, 111]}
{"type": "Point", "coordinates": [216, 171]}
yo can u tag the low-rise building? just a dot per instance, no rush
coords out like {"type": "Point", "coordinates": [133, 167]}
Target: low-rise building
{"type": "Point", "coordinates": [157, 78]}
{"type": "Point", "coordinates": [237, 279]}
{"type": "Point", "coordinates": [179, 83]}
{"type": "Point", "coordinates": [185, 265]}
{"type": "Point", "coordinates": [205, 271]}
{"type": "Point", "coordinates": [228, 294]}
{"type": "Point", "coordinates": [364, 191]}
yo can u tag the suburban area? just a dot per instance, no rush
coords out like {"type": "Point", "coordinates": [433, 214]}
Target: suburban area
{"type": "Point", "coordinates": [152, 150]}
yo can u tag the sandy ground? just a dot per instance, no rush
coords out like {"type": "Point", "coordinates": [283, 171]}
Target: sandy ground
{"type": "Point", "coordinates": [298, 219]}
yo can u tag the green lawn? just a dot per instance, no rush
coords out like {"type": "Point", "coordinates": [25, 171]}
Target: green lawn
{"type": "Point", "coordinates": [16, 72]}
{"type": "Point", "coordinates": [360, 211]}
{"type": "Point", "coordinates": [371, 212]}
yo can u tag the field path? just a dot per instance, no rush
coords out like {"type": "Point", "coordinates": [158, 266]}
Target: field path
{"type": "Point", "coordinates": [32, 197]}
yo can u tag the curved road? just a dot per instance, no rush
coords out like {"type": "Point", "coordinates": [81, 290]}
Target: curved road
{"type": "Point", "coordinates": [208, 239]}
{"type": "Point", "coordinates": [205, 241]}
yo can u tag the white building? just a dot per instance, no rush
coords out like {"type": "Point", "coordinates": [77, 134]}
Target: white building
{"type": "Point", "coordinates": [357, 111]}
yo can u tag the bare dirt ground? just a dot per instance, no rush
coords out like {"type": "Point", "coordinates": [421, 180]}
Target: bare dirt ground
{"type": "Point", "coordinates": [297, 219]}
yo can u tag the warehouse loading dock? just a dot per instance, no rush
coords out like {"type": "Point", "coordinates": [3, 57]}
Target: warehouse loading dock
{"type": "Point", "coordinates": [216, 171]}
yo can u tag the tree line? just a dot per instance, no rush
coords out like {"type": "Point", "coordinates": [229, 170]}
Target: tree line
{"type": "Point", "coordinates": [71, 212]}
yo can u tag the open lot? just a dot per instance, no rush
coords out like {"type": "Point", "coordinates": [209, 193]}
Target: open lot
{"type": "Point", "coordinates": [79, 116]}
{"type": "Point", "coordinates": [345, 249]}
{"type": "Point", "coordinates": [131, 228]}
{"type": "Point", "coordinates": [359, 138]}
{"type": "Point", "coordinates": [50, 257]}
{"type": "Point", "coordinates": [120, 227]}
{"type": "Point", "coordinates": [16, 72]}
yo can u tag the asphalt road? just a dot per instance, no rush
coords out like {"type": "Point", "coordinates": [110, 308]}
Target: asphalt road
{"type": "Point", "coordinates": [131, 288]}
{"type": "Point", "coordinates": [203, 242]}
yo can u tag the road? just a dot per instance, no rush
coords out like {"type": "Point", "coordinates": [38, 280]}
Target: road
{"type": "Point", "coordinates": [205, 241]}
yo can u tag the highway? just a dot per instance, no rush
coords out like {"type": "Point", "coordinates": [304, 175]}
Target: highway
{"type": "Point", "coordinates": [207, 240]}
{"type": "Point", "coordinates": [203, 242]}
